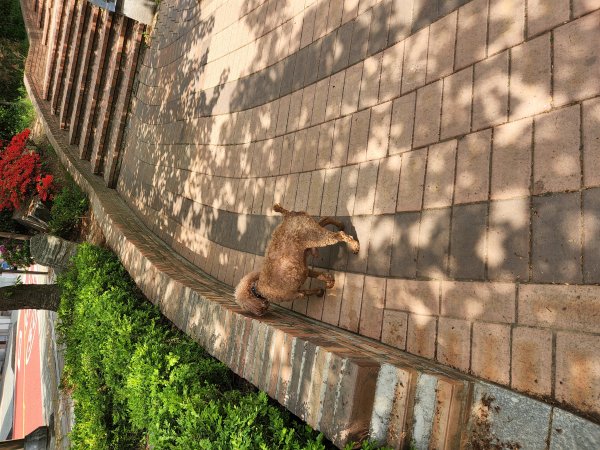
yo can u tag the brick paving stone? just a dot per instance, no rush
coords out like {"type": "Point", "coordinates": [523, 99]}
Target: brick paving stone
{"type": "Point", "coordinates": [347, 190]}
{"type": "Point", "coordinates": [456, 105]}
{"type": "Point", "coordinates": [391, 72]}
{"type": "Point", "coordinates": [360, 37]}
{"type": "Point", "coordinates": [415, 296]}
{"type": "Point", "coordinates": [334, 98]}
{"type": "Point", "coordinates": [471, 33]}
{"type": "Point", "coordinates": [387, 185]}
{"type": "Point", "coordinates": [439, 180]}
{"type": "Point", "coordinates": [287, 154]}
{"type": "Point", "coordinates": [591, 142]}
{"type": "Point", "coordinates": [330, 192]}
{"type": "Point", "coordinates": [380, 245]}
{"type": "Point", "coordinates": [424, 12]}
{"type": "Point", "coordinates": [379, 131]}
{"type": "Point", "coordinates": [479, 301]}
{"type": "Point", "coordinates": [300, 144]}
{"type": "Point", "coordinates": [373, 302]}
{"type": "Point", "coordinates": [415, 61]}
{"type": "Point", "coordinates": [369, 87]}
{"type": "Point", "coordinates": [490, 352]}
{"type": "Point", "coordinates": [325, 144]}
{"type": "Point", "coordinates": [454, 343]}
{"type": "Point", "coordinates": [320, 102]}
{"type": "Point", "coordinates": [308, 97]}
{"type": "Point", "coordinates": [403, 261]}
{"type": "Point", "coordinates": [340, 141]}
{"type": "Point", "coordinates": [591, 227]}
{"type": "Point", "coordinates": [334, 18]}
{"type": "Point", "coordinates": [311, 149]}
{"type": "Point", "coordinates": [400, 20]}
{"type": "Point", "coordinates": [577, 371]}
{"type": "Point", "coordinates": [427, 114]}
{"type": "Point", "coordinates": [394, 328]}
{"type": "Point", "coordinates": [333, 300]}
{"type": "Point", "coordinates": [530, 78]}
{"type": "Point", "coordinates": [508, 240]}
{"type": "Point", "coordinates": [440, 56]}
{"type": "Point", "coordinates": [412, 180]}
{"type": "Point", "coordinates": [321, 13]}
{"type": "Point", "coordinates": [315, 193]}
{"type": "Point", "coordinates": [506, 25]}
{"type": "Point", "coordinates": [284, 109]}
{"type": "Point", "coordinates": [362, 231]}
{"type": "Point", "coordinates": [293, 122]}
{"type": "Point", "coordinates": [490, 91]}
{"type": "Point", "coordinates": [378, 33]}
{"type": "Point", "coordinates": [583, 6]}
{"type": "Point", "coordinates": [472, 167]}
{"type": "Point", "coordinates": [351, 302]}
{"type": "Point", "coordinates": [531, 365]}
{"type": "Point", "coordinates": [576, 59]}
{"type": "Point", "coordinates": [421, 335]}
{"type": "Point", "coordinates": [468, 241]}
{"type": "Point", "coordinates": [433, 241]}
{"type": "Point", "coordinates": [511, 160]}
{"type": "Point", "coordinates": [559, 306]}
{"type": "Point", "coordinates": [359, 137]}
{"type": "Point", "coordinates": [326, 58]}
{"type": "Point", "coordinates": [556, 164]}
{"type": "Point", "coordinates": [365, 187]}
{"type": "Point", "coordinates": [556, 248]}
{"type": "Point", "coordinates": [351, 93]}
{"type": "Point", "coordinates": [544, 15]}
{"type": "Point", "coordinates": [343, 39]}
{"type": "Point", "coordinates": [402, 122]}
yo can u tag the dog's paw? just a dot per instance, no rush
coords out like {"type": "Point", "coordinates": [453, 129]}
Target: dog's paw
{"type": "Point", "coordinates": [320, 293]}
{"type": "Point", "coordinates": [355, 246]}
{"type": "Point", "coordinates": [329, 280]}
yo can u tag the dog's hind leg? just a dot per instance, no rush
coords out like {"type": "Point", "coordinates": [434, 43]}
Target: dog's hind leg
{"type": "Point", "coordinates": [331, 221]}
{"type": "Point", "coordinates": [323, 276]}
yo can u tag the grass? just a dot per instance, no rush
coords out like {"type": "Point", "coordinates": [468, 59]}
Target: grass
{"type": "Point", "coordinates": [138, 382]}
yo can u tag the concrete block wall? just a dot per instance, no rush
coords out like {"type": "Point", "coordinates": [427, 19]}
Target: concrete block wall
{"type": "Point", "coordinates": [457, 140]}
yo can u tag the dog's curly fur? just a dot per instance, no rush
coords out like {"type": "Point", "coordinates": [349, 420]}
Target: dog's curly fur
{"type": "Point", "coordinates": [285, 268]}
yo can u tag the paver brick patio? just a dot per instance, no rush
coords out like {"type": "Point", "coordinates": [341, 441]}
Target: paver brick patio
{"type": "Point", "coordinates": [456, 141]}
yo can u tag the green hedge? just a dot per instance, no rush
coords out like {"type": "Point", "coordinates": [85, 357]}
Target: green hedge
{"type": "Point", "coordinates": [137, 382]}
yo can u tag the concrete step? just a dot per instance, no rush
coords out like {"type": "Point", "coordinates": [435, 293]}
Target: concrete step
{"type": "Point", "coordinates": [105, 106]}
{"type": "Point", "coordinates": [94, 84]}
{"type": "Point", "coordinates": [122, 98]}
{"type": "Point", "coordinates": [83, 73]}
{"type": "Point", "coordinates": [74, 51]}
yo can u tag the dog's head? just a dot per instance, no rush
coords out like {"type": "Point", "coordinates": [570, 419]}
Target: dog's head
{"type": "Point", "coordinates": [246, 298]}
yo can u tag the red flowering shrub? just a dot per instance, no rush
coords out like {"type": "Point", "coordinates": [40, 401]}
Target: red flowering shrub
{"type": "Point", "coordinates": [21, 173]}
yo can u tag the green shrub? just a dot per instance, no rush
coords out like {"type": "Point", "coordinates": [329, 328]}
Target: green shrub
{"type": "Point", "coordinates": [68, 207]}
{"type": "Point", "coordinates": [137, 382]}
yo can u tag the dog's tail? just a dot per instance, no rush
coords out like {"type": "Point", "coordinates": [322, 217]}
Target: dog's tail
{"type": "Point", "coordinates": [246, 299]}
{"type": "Point", "coordinates": [280, 209]}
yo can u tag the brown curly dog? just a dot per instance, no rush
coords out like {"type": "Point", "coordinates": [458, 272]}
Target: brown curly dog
{"type": "Point", "coordinates": [285, 269]}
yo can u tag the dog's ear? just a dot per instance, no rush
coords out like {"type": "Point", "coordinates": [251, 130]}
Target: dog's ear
{"type": "Point", "coordinates": [246, 299]}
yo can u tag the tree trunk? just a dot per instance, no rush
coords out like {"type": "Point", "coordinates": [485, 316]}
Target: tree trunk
{"type": "Point", "coordinates": [30, 296]}
{"type": "Point", "coordinates": [52, 251]}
